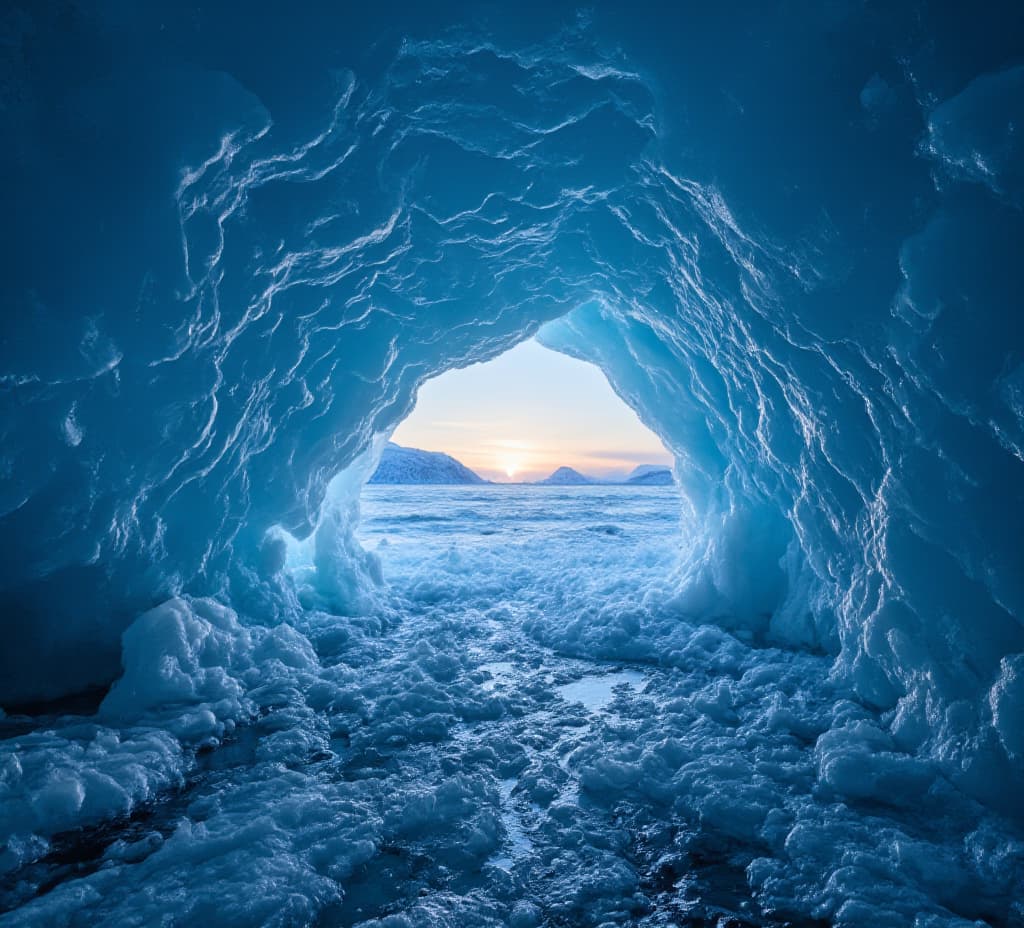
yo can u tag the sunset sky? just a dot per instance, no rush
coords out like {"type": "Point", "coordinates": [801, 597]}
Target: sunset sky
{"type": "Point", "coordinates": [526, 413]}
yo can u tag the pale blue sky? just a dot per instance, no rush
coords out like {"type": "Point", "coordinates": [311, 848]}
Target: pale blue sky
{"type": "Point", "coordinates": [527, 412]}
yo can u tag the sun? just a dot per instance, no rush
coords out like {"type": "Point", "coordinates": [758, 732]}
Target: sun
{"type": "Point", "coordinates": [511, 455]}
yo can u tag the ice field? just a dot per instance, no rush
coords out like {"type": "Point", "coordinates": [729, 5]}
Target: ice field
{"type": "Point", "coordinates": [455, 762]}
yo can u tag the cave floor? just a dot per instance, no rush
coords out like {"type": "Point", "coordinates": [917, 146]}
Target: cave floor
{"type": "Point", "coordinates": [523, 732]}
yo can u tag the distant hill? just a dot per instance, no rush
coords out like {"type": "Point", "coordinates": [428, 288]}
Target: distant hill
{"type": "Point", "coordinates": [650, 475]}
{"type": "Point", "coordinates": [566, 477]}
{"type": "Point", "coordinates": [411, 465]}
{"type": "Point", "coordinates": [400, 465]}
{"type": "Point", "coordinates": [641, 469]}
{"type": "Point", "coordinates": [644, 475]}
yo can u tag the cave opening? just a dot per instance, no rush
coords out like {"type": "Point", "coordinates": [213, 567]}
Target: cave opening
{"type": "Point", "coordinates": [522, 483]}
{"type": "Point", "coordinates": [789, 237]}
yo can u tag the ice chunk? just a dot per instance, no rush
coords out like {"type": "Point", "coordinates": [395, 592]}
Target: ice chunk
{"type": "Point", "coordinates": [181, 653]}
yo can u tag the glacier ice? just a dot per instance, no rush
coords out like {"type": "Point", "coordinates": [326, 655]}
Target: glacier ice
{"type": "Point", "coordinates": [789, 234]}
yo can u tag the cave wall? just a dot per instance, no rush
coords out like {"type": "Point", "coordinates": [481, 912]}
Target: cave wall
{"type": "Point", "coordinates": [788, 233]}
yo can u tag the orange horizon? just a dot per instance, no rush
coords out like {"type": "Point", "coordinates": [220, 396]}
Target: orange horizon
{"type": "Point", "coordinates": [528, 464]}
{"type": "Point", "coordinates": [526, 413]}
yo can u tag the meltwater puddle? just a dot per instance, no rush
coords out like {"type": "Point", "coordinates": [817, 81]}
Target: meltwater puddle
{"type": "Point", "coordinates": [518, 843]}
{"type": "Point", "coordinates": [596, 690]}
{"type": "Point", "coordinates": [500, 673]}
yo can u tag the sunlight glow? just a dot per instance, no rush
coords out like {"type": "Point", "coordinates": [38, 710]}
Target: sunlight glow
{"type": "Point", "coordinates": [559, 411]}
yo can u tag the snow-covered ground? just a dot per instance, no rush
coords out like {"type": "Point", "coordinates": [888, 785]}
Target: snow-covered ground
{"type": "Point", "coordinates": [525, 731]}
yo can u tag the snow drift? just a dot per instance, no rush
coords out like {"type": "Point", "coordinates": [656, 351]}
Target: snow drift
{"type": "Point", "coordinates": [232, 260]}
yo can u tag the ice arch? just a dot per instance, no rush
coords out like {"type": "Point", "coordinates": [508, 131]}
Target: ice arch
{"type": "Point", "coordinates": [233, 263]}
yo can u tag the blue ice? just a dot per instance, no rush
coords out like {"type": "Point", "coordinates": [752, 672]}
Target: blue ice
{"type": "Point", "coordinates": [239, 241]}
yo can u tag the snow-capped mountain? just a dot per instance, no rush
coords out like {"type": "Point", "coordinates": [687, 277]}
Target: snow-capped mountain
{"type": "Point", "coordinates": [413, 465]}
{"type": "Point", "coordinates": [644, 475]}
{"type": "Point", "coordinates": [566, 477]}
{"type": "Point", "coordinates": [650, 475]}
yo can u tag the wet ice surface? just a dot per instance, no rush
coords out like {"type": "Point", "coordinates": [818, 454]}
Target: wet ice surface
{"type": "Point", "coordinates": [595, 691]}
{"type": "Point", "coordinates": [527, 733]}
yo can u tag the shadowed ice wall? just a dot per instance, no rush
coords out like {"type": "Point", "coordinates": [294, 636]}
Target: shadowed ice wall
{"type": "Point", "coordinates": [237, 244]}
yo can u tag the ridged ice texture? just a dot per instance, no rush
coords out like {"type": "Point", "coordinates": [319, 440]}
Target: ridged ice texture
{"type": "Point", "coordinates": [790, 236]}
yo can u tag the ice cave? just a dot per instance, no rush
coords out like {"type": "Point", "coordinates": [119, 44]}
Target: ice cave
{"type": "Point", "coordinates": [239, 238]}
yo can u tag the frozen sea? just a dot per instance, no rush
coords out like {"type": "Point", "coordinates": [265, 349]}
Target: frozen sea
{"type": "Point", "coordinates": [522, 731]}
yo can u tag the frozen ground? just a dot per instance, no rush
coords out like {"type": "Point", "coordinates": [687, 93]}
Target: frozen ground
{"type": "Point", "coordinates": [525, 733]}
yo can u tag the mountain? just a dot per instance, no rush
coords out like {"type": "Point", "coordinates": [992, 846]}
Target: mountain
{"type": "Point", "coordinates": [650, 475]}
{"type": "Point", "coordinates": [411, 465]}
{"type": "Point", "coordinates": [641, 469]}
{"type": "Point", "coordinates": [566, 477]}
